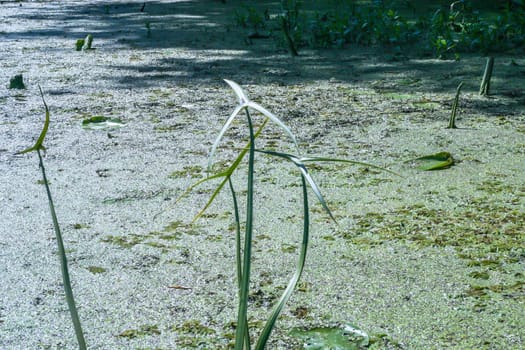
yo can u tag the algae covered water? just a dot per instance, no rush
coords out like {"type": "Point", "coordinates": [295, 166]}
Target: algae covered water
{"type": "Point", "coordinates": [431, 259]}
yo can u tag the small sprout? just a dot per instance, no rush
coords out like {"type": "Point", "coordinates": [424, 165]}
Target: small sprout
{"type": "Point", "coordinates": [88, 42]}
{"type": "Point", "coordinates": [484, 88]}
{"type": "Point", "coordinates": [17, 82]}
{"type": "Point", "coordinates": [79, 44]}
{"type": "Point", "coordinates": [96, 269]}
{"type": "Point", "coordinates": [452, 120]}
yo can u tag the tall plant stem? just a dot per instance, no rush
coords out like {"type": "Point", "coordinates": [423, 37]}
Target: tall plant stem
{"type": "Point", "coordinates": [63, 262]}
{"type": "Point", "coordinates": [267, 330]}
{"type": "Point", "coordinates": [242, 324]}
{"type": "Point", "coordinates": [484, 88]}
{"type": "Point", "coordinates": [452, 120]}
{"type": "Point", "coordinates": [238, 256]}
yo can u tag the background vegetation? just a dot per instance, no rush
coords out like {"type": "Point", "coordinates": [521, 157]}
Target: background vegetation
{"type": "Point", "coordinates": [442, 29]}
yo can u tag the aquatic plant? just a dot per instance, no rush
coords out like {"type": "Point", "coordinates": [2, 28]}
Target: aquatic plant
{"type": "Point", "coordinates": [444, 33]}
{"type": "Point", "coordinates": [290, 24]}
{"type": "Point", "coordinates": [244, 254]}
{"type": "Point", "coordinates": [17, 82]}
{"type": "Point", "coordinates": [452, 119]}
{"type": "Point", "coordinates": [88, 42]}
{"type": "Point", "coordinates": [38, 147]}
{"type": "Point", "coordinates": [484, 89]}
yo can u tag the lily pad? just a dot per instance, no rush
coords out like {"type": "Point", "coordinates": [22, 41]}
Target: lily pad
{"type": "Point", "coordinates": [347, 337]}
{"type": "Point", "coordinates": [437, 161]}
{"type": "Point", "coordinates": [99, 122]}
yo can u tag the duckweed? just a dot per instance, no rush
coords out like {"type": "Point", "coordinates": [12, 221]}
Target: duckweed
{"type": "Point", "coordinates": [143, 331]}
{"type": "Point", "coordinates": [488, 237]}
{"type": "Point", "coordinates": [96, 269]}
{"type": "Point", "coordinates": [157, 239]}
{"type": "Point", "coordinates": [192, 171]}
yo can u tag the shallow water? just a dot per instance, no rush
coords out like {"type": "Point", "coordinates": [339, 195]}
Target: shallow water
{"type": "Point", "coordinates": [431, 259]}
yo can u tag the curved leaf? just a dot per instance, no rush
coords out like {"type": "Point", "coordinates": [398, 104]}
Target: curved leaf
{"type": "Point", "coordinates": [268, 327]}
{"type": "Point", "coordinates": [276, 120]}
{"type": "Point", "coordinates": [338, 160]}
{"type": "Point", "coordinates": [40, 141]}
{"type": "Point", "coordinates": [237, 110]}
{"type": "Point", "coordinates": [226, 173]}
{"type": "Point", "coordinates": [244, 103]}
{"type": "Point", "coordinates": [304, 172]}
{"type": "Point", "coordinates": [243, 98]}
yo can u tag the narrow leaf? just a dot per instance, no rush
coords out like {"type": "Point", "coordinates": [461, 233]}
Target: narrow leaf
{"type": "Point", "coordinates": [304, 171]}
{"type": "Point", "coordinates": [226, 173]}
{"type": "Point", "coordinates": [244, 290]}
{"type": "Point", "coordinates": [337, 160]}
{"type": "Point", "coordinates": [40, 141]}
{"type": "Point", "coordinates": [274, 118]}
{"type": "Point", "coordinates": [238, 253]}
{"type": "Point", "coordinates": [437, 161]}
{"type": "Point", "coordinates": [265, 334]}
{"type": "Point", "coordinates": [221, 134]}
{"type": "Point", "coordinates": [243, 98]}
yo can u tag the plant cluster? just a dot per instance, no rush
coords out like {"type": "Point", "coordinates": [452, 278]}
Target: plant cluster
{"type": "Point", "coordinates": [363, 26]}
{"type": "Point", "coordinates": [444, 33]}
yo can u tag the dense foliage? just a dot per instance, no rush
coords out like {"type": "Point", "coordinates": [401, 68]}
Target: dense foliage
{"type": "Point", "coordinates": [444, 32]}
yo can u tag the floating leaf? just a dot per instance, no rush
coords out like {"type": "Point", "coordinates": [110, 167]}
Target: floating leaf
{"type": "Point", "coordinates": [99, 122]}
{"type": "Point", "coordinates": [437, 161]}
{"type": "Point", "coordinates": [334, 338]}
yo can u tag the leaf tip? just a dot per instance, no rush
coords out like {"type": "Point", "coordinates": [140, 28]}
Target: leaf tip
{"type": "Point", "coordinates": [243, 99]}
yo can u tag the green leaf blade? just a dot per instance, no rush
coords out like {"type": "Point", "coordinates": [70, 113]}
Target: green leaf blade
{"type": "Point", "coordinates": [39, 144]}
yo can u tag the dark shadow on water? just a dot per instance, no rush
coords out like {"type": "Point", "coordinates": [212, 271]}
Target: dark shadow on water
{"type": "Point", "coordinates": [215, 47]}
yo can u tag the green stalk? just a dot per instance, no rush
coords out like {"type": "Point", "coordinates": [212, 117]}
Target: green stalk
{"type": "Point", "coordinates": [242, 324]}
{"type": "Point", "coordinates": [484, 88]}
{"type": "Point", "coordinates": [268, 327]}
{"type": "Point", "coordinates": [238, 252]}
{"type": "Point", "coordinates": [39, 146]}
{"type": "Point", "coordinates": [63, 262]}
{"type": "Point", "coordinates": [452, 120]}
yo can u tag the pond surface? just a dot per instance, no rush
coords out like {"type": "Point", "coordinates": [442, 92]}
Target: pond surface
{"type": "Point", "coordinates": [425, 260]}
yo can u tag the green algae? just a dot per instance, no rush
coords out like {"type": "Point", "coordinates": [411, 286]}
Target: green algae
{"type": "Point", "coordinates": [194, 327]}
{"type": "Point", "coordinates": [174, 231]}
{"type": "Point", "coordinates": [192, 171]}
{"type": "Point", "coordinates": [142, 331]}
{"type": "Point", "coordinates": [193, 334]}
{"type": "Point", "coordinates": [96, 269]}
{"type": "Point", "coordinates": [132, 196]}
{"type": "Point", "coordinates": [487, 237]}
{"type": "Point", "coordinates": [476, 232]}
